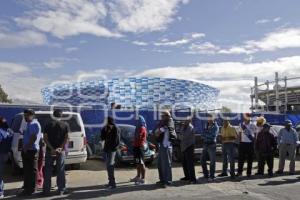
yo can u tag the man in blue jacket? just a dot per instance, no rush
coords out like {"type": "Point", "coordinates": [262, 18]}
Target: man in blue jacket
{"type": "Point", "coordinates": [209, 137]}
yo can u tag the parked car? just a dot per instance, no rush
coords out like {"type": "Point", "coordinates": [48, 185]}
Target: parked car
{"type": "Point", "coordinates": [125, 149]}
{"type": "Point", "coordinates": [76, 154]}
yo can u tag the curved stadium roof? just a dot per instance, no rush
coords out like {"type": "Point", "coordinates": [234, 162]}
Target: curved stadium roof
{"type": "Point", "coordinates": [133, 92]}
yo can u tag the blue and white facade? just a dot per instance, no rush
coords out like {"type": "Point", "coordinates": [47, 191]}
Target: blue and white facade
{"type": "Point", "coordinates": [133, 92]}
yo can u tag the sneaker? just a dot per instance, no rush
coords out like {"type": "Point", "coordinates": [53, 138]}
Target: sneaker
{"type": "Point", "coordinates": [111, 187]}
{"type": "Point", "coordinates": [135, 179]}
{"type": "Point", "coordinates": [63, 192]}
{"type": "Point", "coordinates": [270, 174]}
{"type": "Point", "coordinates": [140, 181]}
{"type": "Point", "coordinates": [223, 175]}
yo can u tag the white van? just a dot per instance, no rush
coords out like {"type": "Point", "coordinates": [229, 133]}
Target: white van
{"type": "Point", "coordinates": [76, 154]}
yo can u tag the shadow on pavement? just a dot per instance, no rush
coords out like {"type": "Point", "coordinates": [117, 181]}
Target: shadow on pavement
{"type": "Point", "coordinates": [281, 182]}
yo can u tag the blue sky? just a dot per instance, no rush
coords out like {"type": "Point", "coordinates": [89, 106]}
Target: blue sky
{"type": "Point", "coordinates": [224, 43]}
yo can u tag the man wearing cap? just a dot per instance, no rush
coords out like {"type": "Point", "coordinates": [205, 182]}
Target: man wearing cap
{"type": "Point", "coordinates": [287, 140]}
{"type": "Point", "coordinates": [246, 146]}
{"type": "Point", "coordinates": [31, 144]}
{"type": "Point", "coordinates": [265, 147]}
{"type": "Point", "coordinates": [165, 134]}
{"type": "Point", "coordinates": [228, 136]}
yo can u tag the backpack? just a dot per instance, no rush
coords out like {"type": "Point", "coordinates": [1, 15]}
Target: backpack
{"type": "Point", "coordinates": [5, 144]}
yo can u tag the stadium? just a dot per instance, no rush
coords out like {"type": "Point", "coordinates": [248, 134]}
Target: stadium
{"type": "Point", "coordinates": [133, 93]}
{"type": "Point", "coordinates": [280, 96]}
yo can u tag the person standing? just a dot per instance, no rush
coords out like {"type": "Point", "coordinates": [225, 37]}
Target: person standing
{"type": "Point", "coordinates": [228, 137]}
{"type": "Point", "coordinates": [31, 144]}
{"type": "Point", "coordinates": [287, 140]}
{"type": "Point", "coordinates": [165, 134]}
{"type": "Point", "coordinates": [139, 143]}
{"type": "Point", "coordinates": [209, 137]}
{"type": "Point", "coordinates": [5, 146]}
{"type": "Point", "coordinates": [265, 147]}
{"type": "Point", "coordinates": [110, 134]}
{"type": "Point", "coordinates": [246, 145]}
{"type": "Point", "coordinates": [56, 134]}
{"type": "Point", "coordinates": [187, 146]}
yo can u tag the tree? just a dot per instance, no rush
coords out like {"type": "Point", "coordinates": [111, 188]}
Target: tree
{"type": "Point", "coordinates": [225, 109]}
{"type": "Point", "coordinates": [4, 97]}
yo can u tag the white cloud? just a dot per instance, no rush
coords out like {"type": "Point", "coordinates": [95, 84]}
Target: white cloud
{"type": "Point", "coordinates": [139, 16]}
{"type": "Point", "coordinates": [285, 38]}
{"type": "Point", "coordinates": [19, 83]}
{"type": "Point", "coordinates": [58, 62]}
{"type": "Point", "coordinates": [280, 39]}
{"type": "Point", "coordinates": [71, 49]}
{"type": "Point", "coordinates": [185, 40]}
{"type": "Point", "coordinates": [63, 18]}
{"type": "Point", "coordinates": [234, 79]}
{"type": "Point", "coordinates": [203, 48]}
{"type": "Point", "coordinates": [22, 39]}
{"type": "Point", "coordinates": [12, 68]}
{"type": "Point", "coordinates": [265, 21]}
{"type": "Point", "coordinates": [172, 43]}
{"type": "Point", "coordinates": [140, 43]}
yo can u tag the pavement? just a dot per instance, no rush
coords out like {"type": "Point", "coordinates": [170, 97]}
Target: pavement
{"type": "Point", "coordinates": [88, 183]}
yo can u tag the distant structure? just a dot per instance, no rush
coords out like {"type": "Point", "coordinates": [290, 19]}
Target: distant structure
{"type": "Point", "coordinates": [130, 93]}
{"type": "Point", "coordinates": [280, 96]}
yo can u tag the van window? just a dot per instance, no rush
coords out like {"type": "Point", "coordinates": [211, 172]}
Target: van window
{"type": "Point", "coordinates": [71, 121]}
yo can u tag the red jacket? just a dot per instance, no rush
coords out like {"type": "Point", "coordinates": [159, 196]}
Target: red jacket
{"type": "Point", "coordinates": [140, 138]}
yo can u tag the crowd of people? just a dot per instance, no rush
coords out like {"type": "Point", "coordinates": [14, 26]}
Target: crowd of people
{"type": "Point", "coordinates": [253, 140]}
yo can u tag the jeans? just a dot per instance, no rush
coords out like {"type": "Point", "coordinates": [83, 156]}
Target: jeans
{"type": "Point", "coordinates": [209, 153]}
{"type": "Point", "coordinates": [228, 155]}
{"type": "Point", "coordinates": [188, 163]}
{"type": "Point", "coordinates": [30, 165]}
{"type": "Point", "coordinates": [164, 163]}
{"type": "Point", "coordinates": [110, 167]}
{"type": "Point", "coordinates": [3, 158]}
{"type": "Point", "coordinates": [60, 170]}
{"type": "Point", "coordinates": [285, 149]}
{"type": "Point", "coordinates": [262, 159]}
{"type": "Point", "coordinates": [246, 152]}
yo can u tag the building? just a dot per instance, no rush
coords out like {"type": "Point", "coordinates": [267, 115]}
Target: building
{"type": "Point", "coordinates": [280, 96]}
{"type": "Point", "coordinates": [133, 93]}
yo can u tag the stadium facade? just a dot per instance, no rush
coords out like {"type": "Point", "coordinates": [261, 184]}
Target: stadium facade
{"type": "Point", "coordinates": [133, 93]}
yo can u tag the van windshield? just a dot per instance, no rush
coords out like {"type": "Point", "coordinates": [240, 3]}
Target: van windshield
{"type": "Point", "coordinates": [71, 120]}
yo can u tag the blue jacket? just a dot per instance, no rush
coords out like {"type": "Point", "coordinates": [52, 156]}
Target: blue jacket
{"type": "Point", "coordinates": [210, 134]}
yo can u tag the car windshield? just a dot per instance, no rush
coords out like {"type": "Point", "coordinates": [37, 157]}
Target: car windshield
{"type": "Point", "coordinates": [72, 121]}
{"type": "Point", "coordinates": [127, 132]}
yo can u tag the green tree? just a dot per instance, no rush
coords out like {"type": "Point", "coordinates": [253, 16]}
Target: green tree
{"type": "Point", "coordinates": [3, 96]}
{"type": "Point", "coordinates": [225, 109]}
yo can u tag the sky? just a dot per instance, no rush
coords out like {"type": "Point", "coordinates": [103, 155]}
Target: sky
{"type": "Point", "coordinates": [223, 43]}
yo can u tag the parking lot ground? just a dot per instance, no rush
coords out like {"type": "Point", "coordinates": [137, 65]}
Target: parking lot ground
{"type": "Point", "coordinates": [88, 182]}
